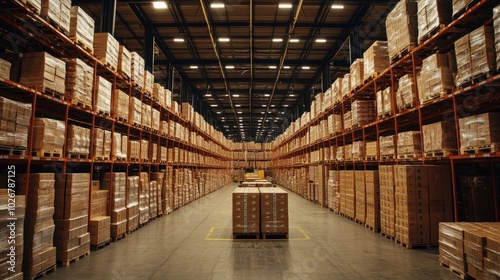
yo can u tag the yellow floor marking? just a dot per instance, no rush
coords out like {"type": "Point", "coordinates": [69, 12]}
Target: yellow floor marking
{"type": "Point", "coordinates": [306, 237]}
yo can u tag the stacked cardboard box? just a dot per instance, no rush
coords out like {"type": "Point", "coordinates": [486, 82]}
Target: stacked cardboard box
{"type": "Point", "coordinates": [144, 148]}
{"type": "Point", "coordinates": [496, 26]}
{"type": "Point", "coordinates": [409, 144]}
{"type": "Point", "coordinates": [362, 112]}
{"type": "Point", "coordinates": [406, 96]}
{"type": "Point", "coordinates": [48, 136]}
{"type": "Point", "coordinates": [146, 115]}
{"type": "Point", "coordinates": [387, 146]}
{"type": "Point", "coordinates": [132, 202]}
{"type": "Point", "coordinates": [71, 237]}
{"type": "Point", "coordinates": [436, 78]}
{"type": "Point", "coordinates": [153, 199]}
{"type": "Point", "coordinates": [432, 14]}
{"type": "Point", "coordinates": [135, 111]}
{"type": "Point", "coordinates": [160, 178]}
{"type": "Point", "coordinates": [439, 136]}
{"type": "Point", "coordinates": [98, 143]}
{"type": "Point", "coordinates": [121, 105]}
{"type": "Point", "coordinates": [376, 59]}
{"type": "Point", "coordinates": [372, 188]}
{"type": "Point", "coordinates": [144, 188]}
{"type": "Point", "coordinates": [342, 191]}
{"type": "Point", "coordinates": [106, 49]}
{"type": "Point", "coordinates": [35, 5]}
{"type": "Point", "coordinates": [387, 200]}
{"type": "Point", "coordinates": [168, 98]}
{"type": "Point", "coordinates": [124, 62]}
{"type": "Point", "coordinates": [479, 131]}
{"type": "Point", "coordinates": [39, 253]}
{"type": "Point", "coordinates": [100, 222]}
{"type": "Point", "coordinates": [360, 187]}
{"type": "Point", "coordinates": [347, 120]}
{"type": "Point", "coordinates": [350, 194]}
{"type": "Point", "coordinates": [79, 82]}
{"type": "Point", "coordinates": [333, 190]}
{"type": "Point", "coordinates": [14, 123]}
{"type": "Point", "coordinates": [104, 91]}
{"type": "Point", "coordinates": [357, 73]}
{"type": "Point", "coordinates": [168, 196]}
{"type": "Point", "coordinates": [149, 80]}
{"type": "Point", "coordinates": [81, 29]}
{"type": "Point", "coordinates": [402, 28]}
{"type": "Point", "coordinates": [246, 211]}
{"type": "Point", "coordinates": [384, 102]}
{"type": "Point", "coordinates": [451, 246]}
{"type": "Point", "coordinates": [371, 149]}
{"type": "Point", "coordinates": [273, 210]}
{"type": "Point", "coordinates": [106, 150]}
{"type": "Point", "coordinates": [44, 72]}
{"type": "Point", "coordinates": [340, 154]}
{"type": "Point", "coordinates": [137, 69]}
{"type": "Point", "coordinates": [78, 140]}
{"type": "Point", "coordinates": [358, 150]}
{"type": "Point", "coordinates": [119, 151]}
{"type": "Point", "coordinates": [459, 6]}
{"type": "Point", "coordinates": [346, 86]}
{"type": "Point", "coordinates": [116, 184]}
{"type": "Point", "coordinates": [11, 248]}
{"type": "Point", "coordinates": [475, 53]}
{"type": "Point", "coordinates": [155, 119]}
{"type": "Point", "coordinates": [337, 90]}
{"type": "Point", "coordinates": [154, 152]}
{"type": "Point", "coordinates": [476, 195]}
{"type": "Point", "coordinates": [58, 12]}
{"type": "Point", "coordinates": [5, 67]}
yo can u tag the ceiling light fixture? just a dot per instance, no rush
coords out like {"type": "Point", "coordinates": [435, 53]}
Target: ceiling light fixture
{"type": "Point", "coordinates": [224, 39]}
{"type": "Point", "coordinates": [208, 95]}
{"type": "Point", "coordinates": [320, 40]}
{"type": "Point", "coordinates": [286, 67]}
{"type": "Point", "coordinates": [272, 67]}
{"type": "Point", "coordinates": [240, 112]}
{"type": "Point", "coordinates": [213, 105]}
{"type": "Point", "coordinates": [294, 40]}
{"type": "Point", "coordinates": [237, 105]}
{"type": "Point", "coordinates": [277, 40]}
{"type": "Point", "coordinates": [285, 6]}
{"type": "Point", "coordinates": [266, 95]}
{"type": "Point", "coordinates": [306, 67]}
{"type": "Point", "coordinates": [236, 95]}
{"type": "Point", "coordinates": [178, 40]}
{"type": "Point", "coordinates": [264, 105]}
{"type": "Point", "coordinates": [217, 5]}
{"type": "Point", "coordinates": [337, 6]}
{"type": "Point", "coordinates": [229, 67]}
{"type": "Point", "coordinates": [193, 67]}
{"type": "Point", "coordinates": [159, 4]}
{"type": "Point", "coordinates": [219, 112]}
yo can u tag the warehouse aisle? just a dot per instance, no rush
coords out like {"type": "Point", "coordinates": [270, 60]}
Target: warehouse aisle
{"type": "Point", "coordinates": [195, 243]}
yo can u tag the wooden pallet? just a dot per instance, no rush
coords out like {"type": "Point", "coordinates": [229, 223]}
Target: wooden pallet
{"type": "Point", "coordinates": [457, 272]}
{"type": "Point", "coordinates": [104, 113]}
{"type": "Point", "coordinates": [402, 53]}
{"type": "Point", "coordinates": [77, 156]}
{"type": "Point", "coordinates": [476, 79]}
{"type": "Point", "coordinates": [36, 10]}
{"type": "Point", "coordinates": [464, 9]}
{"type": "Point", "coordinates": [359, 222]}
{"type": "Point", "coordinates": [485, 149]}
{"type": "Point", "coordinates": [371, 77]}
{"type": "Point", "coordinates": [50, 92]}
{"type": "Point", "coordinates": [371, 158]}
{"type": "Point", "coordinates": [46, 153]}
{"type": "Point", "coordinates": [387, 236]}
{"type": "Point", "coordinates": [13, 151]}
{"type": "Point", "coordinates": [430, 97]}
{"type": "Point", "coordinates": [407, 106]}
{"type": "Point", "coordinates": [413, 246]}
{"type": "Point", "coordinates": [440, 153]}
{"type": "Point", "coordinates": [114, 158]}
{"type": "Point", "coordinates": [79, 103]}
{"type": "Point", "coordinates": [118, 237]}
{"type": "Point", "coordinates": [246, 236]}
{"type": "Point", "coordinates": [132, 230]}
{"type": "Point", "coordinates": [409, 156]}
{"type": "Point", "coordinates": [122, 119]}
{"type": "Point", "coordinates": [55, 24]}
{"type": "Point", "coordinates": [81, 44]}
{"type": "Point", "coordinates": [275, 235]}
{"type": "Point", "coordinates": [384, 115]}
{"type": "Point", "coordinates": [387, 157]}
{"type": "Point", "coordinates": [66, 263]}
{"type": "Point", "coordinates": [101, 158]}
{"type": "Point", "coordinates": [431, 33]}
{"type": "Point", "coordinates": [41, 274]}
{"type": "Point", "coordinates": [137, 125]}
{"type": "Point", "coordinates": [372, 228]}
{"type": "Point", "coordinates": [100, 246]}
{"type": "Point", "coordinates": [103, 61]}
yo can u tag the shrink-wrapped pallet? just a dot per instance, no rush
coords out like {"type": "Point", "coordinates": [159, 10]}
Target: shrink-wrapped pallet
{"type": "Point", "coordinates": [432, 15]}
{"type": "Point", "coordinates": [387, 146]}
{"type": "Point", "coordinates": [79, 82]}
{"type": "Point", "coordinates": [135, 111]}
{"type": "Point", "coordinates": [81, 30]}
{"type": "Point", "coordinates": [124, 62]}
{"type": "Point", "coordinates": [121, 105]}
{"type": "Point", "coordinates": [146, 115]}
{"type": "Point", "coordinates": [155, 120]}
{"type": "Point", "coordinates": [106, 49]}
{"type": "Point", "coordinates": [48, 136]}
{"type": "Point", "coordinates": [409, 144]}
{"type": "Point", "coordinates": [104, 91]}
{"type": "Point", "coordinates": [357, 73]}
{"type": "Point", "coordinates": [375, 59]}
{"type": "Point", "coordinates": [137, 69]}
{"type": "Point", "coordinates": [362, 112]}
{"type": "Point", "coordinates": [14, 123]}
{"type": "Point", "coordinates": [5, 67]}
{"type": "Point", "coordinates": [401, 28]}
{"type": "Point", "coordinates": [384, 102]}
{"type": "Point", "coordinates": [337, 90]}
{"type": "Point", "coordinates": [58, 12]}
{"type": "Point", "coordinates": [346, 86]}
{"type": "Point", "coordinates": [43, 72]}
{"type": "Point", "coordinates": [439, 136]}
{"type": "Point", "coordinates": [149, 80]}
{"type": "Point", "coordinates": [78, 140]}
{"type": "Point", "coordinates": [435, 78]}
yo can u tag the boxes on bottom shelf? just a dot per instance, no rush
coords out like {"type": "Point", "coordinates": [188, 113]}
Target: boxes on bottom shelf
{"type": "Point", "coordinates": [74, 253]}
{"type": "Point", "coordinates": [118, 229]}
{"type": "Point", "coordinates": [39, 262]}
{"type": "Point", "coordinates": [100, 230]}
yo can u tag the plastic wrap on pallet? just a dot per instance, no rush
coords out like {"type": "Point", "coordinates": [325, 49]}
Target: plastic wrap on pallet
{"type": "Point", "coordinates": [106, 149]}
{"type": "Point", "coordinates": [144, 150]}
{"type": "Point", "coordinates": [149, 80]}
{"type": "Point", "coordinates": [346, 86]}
{"type": "Point", "coordinates": [79, 81]}
{"type": "Point", "coordinates": [116, 152]}
{"type": "Point", "coordinates": [164, 127]}
{"type": "Point", "coordinates": [124, 61]}
{"type": "Point", "coordinates": [159, 93]}
{"type": "Point", "coordinates": [432, 14]}
{"type": "Point", "coordinates": [337, 90]}
{"type": "Point", "coordinates": [435, 78]}
{"type": "Point", "coordinates": [98, 143]}
{"type": "Point", "coordinates": [121, 104]}
{"type": "Point", "coordinates": [163, 154]}
{"type": "Point", "coordinates": [155, 119]}
{"type": "Point", "coordinates": [479, 130]}
{"type": "Point", "coordinates": [409, 143]}
{"type": "Point", "coordinates": [48, 135]}
{"type": "Point", "coordinates": [375, 59]}
{"type": "Point", "coordinates": [58, 12]}
{"type": "Point", "coordinates": [116, 183]}
{"type": "Point", "coordinates": [104, 91]}
{"type": "Point", "coordinates": [134, 149]}
{"type": "Point", "coordinates": [357, 73]}
{"type": "Point", "coordinates": [106, 49]}
{"type": "Point", "coordinates": [14, 122]}
{"type": "Point", "coordinates": [439, 136]}
{"type": "Point", "coordinates": [135, 111]}
{"type": "Point", "coordinates": [402, 28]}
{"type": "Point", "coordinates": [363, 112]}
{"type": "Point", "coordinates": [387, 145]}
{"type": "Point", "coordinates": [168, 98]}
{"type": "Point", "coordinates": [144, 188]}
{"type": "Point", "coordinates": [496, 31]}
{"type": "Point", "coordinates": [358, 150]}
{"type": "Point", "coordinates": [124, 146]}
{"type": "Point", "coordinates": [78, 140]}
{"type": "Point", "coordinates": [347, 120]}
{"type": "Point", "coordinates": [43, 71]}
{"type": "Point", "coordinates": [81, 28]}
{"type": "Point", "coordinates": [146, 115]}
{"type": "Point", "coordinates": [137, 69]}
{"type": "Point", "coordinates": [35, 5]}
{"type": "Point", "coordinates": [371, 148]}
{"type": "Point", "coordinates": [406, 96]}
{"type": "Point", "coordinates": [154, 152]}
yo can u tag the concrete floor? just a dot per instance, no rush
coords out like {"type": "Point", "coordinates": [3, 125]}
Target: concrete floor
{"type": "Point", "coordinates": [195, 242]}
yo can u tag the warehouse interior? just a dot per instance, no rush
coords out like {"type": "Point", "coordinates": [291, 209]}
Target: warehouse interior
{"type": "Point", "coordinates": [249, 139]}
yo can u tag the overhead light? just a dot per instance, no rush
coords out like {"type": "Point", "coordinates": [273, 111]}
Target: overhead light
{"type": "Point", "coordinates": [337, 6]}
{"type": "Point", "coordinates": [236, 95]}
{"type": "Point", "coordinates": [306, 67]}
{"type": "Point", "coordinates": [272, 66]}
{"type": "Point", "coordinates": [213, 105]}
{"type": "Point", "coordinates": [285, 6]}
{"type": "Point", "coordinates": [224, 39]}
{"type": "Point", "coordinates": [240, 112]}
{"type": "Point", "coordinates": [229, 66]}
{"type": "Point", "coordinates": [178, 40]}
{"type": "Point", "coordinates": [237, 105]}
{"type": "Point", "coordinates": [275, 120]}
{"type": "Point", "coordinates": [259, 120]}
{"type": "Point", "coordinates": [266, 95]}
{"type": "Point", "coordinates": [217, 5]}
{"type": "Point", "coordinates": [294, 40]}
{"type": "Point", "coordinates": [273, 105]}
{"type": "Point", "coordinates": [282, 113]}
{"type": "Point", "coordinates": [264, 105]}
{"type": "Point", "coordinates": [292, 95]}
{"type": "Point", "coordinates": [320, 40]}
{"type": "Point", "coordinates": [262, 113]}
{"type": "Point", "coordinates": [219, 112]}
{"type": "Point", "coordinates": [193, 66]}
{"type": "Point", "coordinates": [277, 40]}
{"type": "Point", "coordinates": [208, 94]}
{"type": "Point", "coordinates": [240, 118]}
{"type": "Point", "coordinates": [285, 105]}
{"type": "Point", "coordinates": [159, 4]}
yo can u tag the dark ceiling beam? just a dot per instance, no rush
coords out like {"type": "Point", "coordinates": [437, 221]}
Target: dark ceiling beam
{"type": "Point", "coordinates": [266, 62]}
{"type": "Point", "coordinates": [196, 2]}
{"type": "Point", "coordinates": [256, 80]}
{"type": "Point", "coordinates": [247, 24]}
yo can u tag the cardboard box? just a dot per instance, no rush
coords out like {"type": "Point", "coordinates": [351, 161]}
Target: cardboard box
{"type": "Point", "coordinates": [106, 49]}
{"type": "Point", "coordinates": [43, 72]}
{"type": "Point", "coordinates": [81, 29]}
{"type": "Point", "coordinates": [100, 230]}
{"type": "Point", "coordinates": [124, 62]}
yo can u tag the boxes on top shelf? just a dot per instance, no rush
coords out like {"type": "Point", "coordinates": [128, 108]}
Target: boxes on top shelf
{"type": "Point", "coordinates": [496, 31]}
{"type": "Point", "coordinates": [149, 80]}
{"type": "Point", "coordinates": [402, 29]}
{"type": "Point", "coordinates": [58, 13]}
{"type": "Point", "coordinates": [124, 62]}
{"type": "Point", "coordinates": [43, 72]}
{"type": "Point", "coordinates": [375, 59]}
{"type": "Point", "coordinates": [432, 15]}
{"type": "Point", "coordinates": [81, 29]}
{"type": "Point", "coordinates": [106, 49]}
{"type": "Point", "coordinates": [79, 82]}
{"type": "Point", "coordinates": [137, 69]}
{"type": "Point", "coordinates": [435, 79]}
{"type": "Point", "coordinates": [357, 73]}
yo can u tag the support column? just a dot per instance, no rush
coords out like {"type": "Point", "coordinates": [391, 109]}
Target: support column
{"type": "Point", "coordinates": [355, 44]}
{"type": "Point", "coordinates": [108, 14]}
{"type": "Point", "coordinates": [183, 92]}
{"type": "Point", "coordinates": [149, 56]}
{"type": "Point", "coordinates": [325, 78]}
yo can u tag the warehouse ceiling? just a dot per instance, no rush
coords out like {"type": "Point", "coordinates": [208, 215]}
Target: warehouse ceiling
{"type": "Point", "coordinates": [249, 67]}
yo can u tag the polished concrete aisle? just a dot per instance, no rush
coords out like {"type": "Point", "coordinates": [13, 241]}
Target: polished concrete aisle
{"type": "Point", "coordinates": [195, 242]}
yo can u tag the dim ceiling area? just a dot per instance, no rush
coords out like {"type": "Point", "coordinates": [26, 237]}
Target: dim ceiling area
{"type": "Point", "coordinates": [250, 68]}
